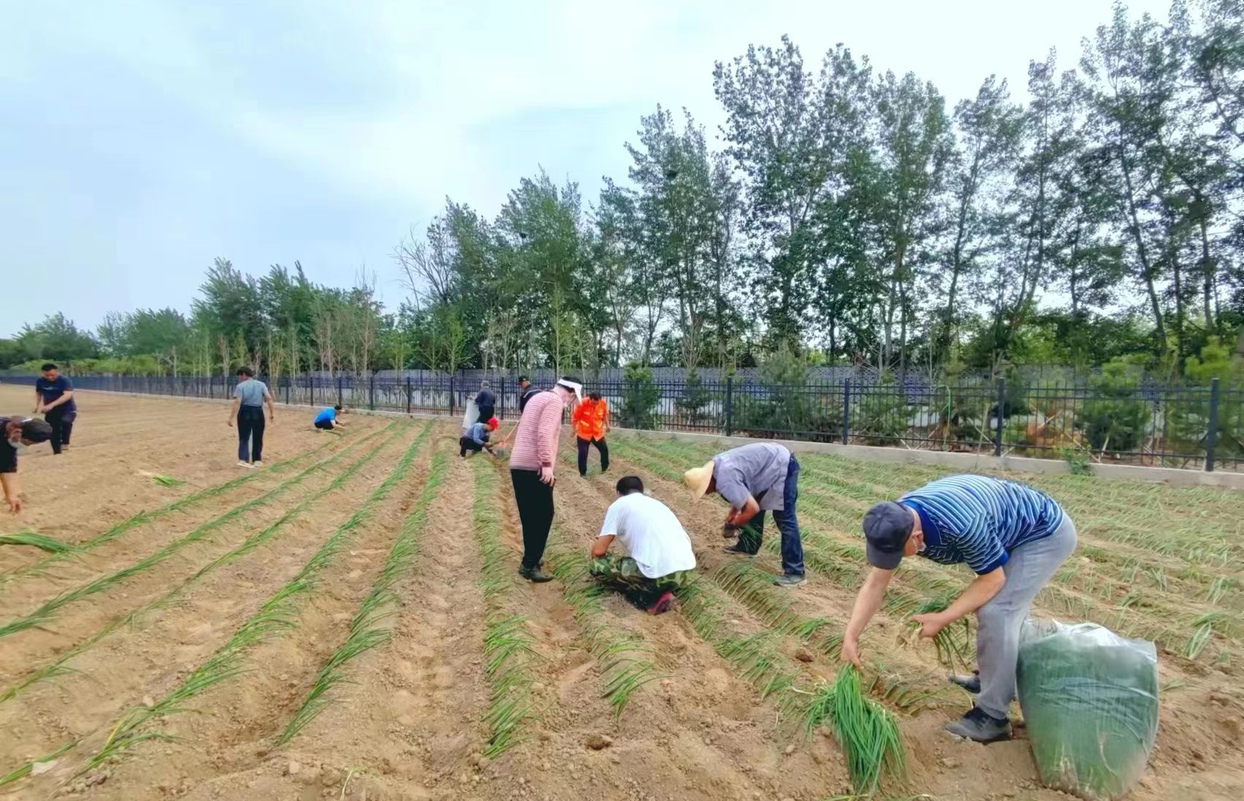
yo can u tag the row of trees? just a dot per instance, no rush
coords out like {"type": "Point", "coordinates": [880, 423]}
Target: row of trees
{"type": "Point", "coordinates": [846, 213]}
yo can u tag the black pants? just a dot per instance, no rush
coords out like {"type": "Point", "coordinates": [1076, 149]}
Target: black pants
{"type": "Point", "coordinates": [61, 422]}
{"type": "Point", "coordinates": [486, 412]}
{"type": "Point", "coordinates": [600, 446]}
{"type": "Point", "coordinates": [250, 430]}
{"type": "Point", "coordinates": [327, 425]}
{"type": "Point", "coordinates": [465, 444]}
{"type": "Point", "coordinates": [535, 512]}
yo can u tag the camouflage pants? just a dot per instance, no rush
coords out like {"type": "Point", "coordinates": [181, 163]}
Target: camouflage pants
{"type": "Point", "coordinates": [623, 574]}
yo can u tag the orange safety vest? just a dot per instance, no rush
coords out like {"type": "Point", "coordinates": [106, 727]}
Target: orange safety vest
{"type": "Point", "coordinates": [589, 419]}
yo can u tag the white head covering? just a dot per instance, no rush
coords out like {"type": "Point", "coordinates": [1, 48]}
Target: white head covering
{"type": "Point", "coordinates": [572, 386]}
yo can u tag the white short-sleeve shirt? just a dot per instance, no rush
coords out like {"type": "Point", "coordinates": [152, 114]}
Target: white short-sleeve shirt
{"type": "Point", "coordinates": [650, 534]}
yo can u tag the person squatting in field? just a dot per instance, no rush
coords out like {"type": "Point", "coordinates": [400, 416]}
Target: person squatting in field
{"type": "Point", "coordinates": [1012, 536]}
{"type": "Point", "coordinates": [54, 400]}
{"type": "Point", "coordinates": [657, 550]}
{"type": "Point", "coordinates": [531, 470]}
{"type": "Point", "coordinates": [754, 479]}
{"type": "Point", "coordinates": [591, 422]}
{"type": "Point", "coordinates": [476, 438]}
{"type": "Point", "coordinates": [249, 397]}
{"type": "Point", "coordinates": [327, 419]}
{"type": "Point", "coordinates": [18, 432]}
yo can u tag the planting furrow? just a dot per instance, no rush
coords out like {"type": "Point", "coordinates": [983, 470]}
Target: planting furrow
{"type": "Point", "coordinates": [121, 528]}
{"type": "Point", "coordinates": [47, 611]}
{"type": "Point", "coordinates": [411, 712]}
{"type": "Point", "coordinates": [276, 617]}
{"type": "Point", "coordinates": [58, 666]}
{"type": "Point", "coordinates": [509, 655]}
{"type": "Point", "coordinates": [369, 628]}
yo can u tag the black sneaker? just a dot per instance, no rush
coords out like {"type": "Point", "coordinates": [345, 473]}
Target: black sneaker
{"type": "Point", "coordinates": [980, 726]}
{"type": "Point", "coordinates": [790, 580]}
{"type": "Point", "coordinates": [737, 551]}
{"type": "Point", "coordinates": [534, 575]}
{"type": "Point", "coordinates": [970, 683]}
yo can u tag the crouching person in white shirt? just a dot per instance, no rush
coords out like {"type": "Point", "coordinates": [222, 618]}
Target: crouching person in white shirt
{"type": "Point", "coordinates": [658, 550]}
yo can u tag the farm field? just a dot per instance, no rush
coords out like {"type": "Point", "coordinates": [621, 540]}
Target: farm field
{"type": "Point", "coordinates": [347, 623]}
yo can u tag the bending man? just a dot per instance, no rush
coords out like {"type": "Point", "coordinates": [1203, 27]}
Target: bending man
{"type": "Point", "coordinates": [327, 420]}
{"type": "Point", "coordinates": [54, 400]}
{"type": "Point", "coordinates": [1013, 537]}
{"type": "Point", "coordinates": [658, 550]}
{"type": "Point", "coordinates": [18, 432]}
{"type": "Point", "coordinates": [754, 479]}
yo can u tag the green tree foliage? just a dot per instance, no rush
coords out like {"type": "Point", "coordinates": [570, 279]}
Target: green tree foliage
{"type": "Point", "coordinates": [640, 398]}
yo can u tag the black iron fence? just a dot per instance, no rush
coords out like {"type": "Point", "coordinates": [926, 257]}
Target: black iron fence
{"type": "Point", "coordinates": [1196, 427]}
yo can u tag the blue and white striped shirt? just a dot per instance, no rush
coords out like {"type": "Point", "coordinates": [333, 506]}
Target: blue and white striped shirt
{"type": "Point", "coordinates": [979, 520]}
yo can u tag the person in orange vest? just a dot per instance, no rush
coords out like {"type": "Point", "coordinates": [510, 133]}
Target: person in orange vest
{"type": "Point", "coordinates": [591, 421]}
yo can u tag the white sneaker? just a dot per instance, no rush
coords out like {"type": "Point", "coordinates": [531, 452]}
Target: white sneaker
{"type": "Point", "coordinates": [257, 465]}
{"type": "Point", "coordinates": [244, 464]}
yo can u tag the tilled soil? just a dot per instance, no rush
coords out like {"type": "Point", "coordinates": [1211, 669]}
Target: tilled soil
{"type": "Point", "coordinates": [408, 720]}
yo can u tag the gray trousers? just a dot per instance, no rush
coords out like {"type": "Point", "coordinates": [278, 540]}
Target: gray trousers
{"type": "Point", "coordinates": [1030, 568]}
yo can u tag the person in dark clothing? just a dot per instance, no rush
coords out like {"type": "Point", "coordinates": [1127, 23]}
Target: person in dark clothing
{"type": "Point", "coordinates": [525, 392]}
{"type": "Point", "coordinates": [54, 400]}
{"type": "Point", "coordinates": [249, 397]}
{"type": "Point", "coordinates": [486, 402]}
{"type": "Point", "coordinates": [18, 432]}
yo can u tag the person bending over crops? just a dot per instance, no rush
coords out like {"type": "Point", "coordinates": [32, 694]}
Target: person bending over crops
{"type": "Point", "coordinates": [54, 400]}
{"type": "Point", "coordinates": [1012, 536]}
{"type": "Point", "coordinates": [658, 550]}
{"type": "Point", "coordinates": [327, 420]}
{"type": "Point", "coordinates": [591, 422]}
{"type": "Point", "coordinates": [476, 438]}
{"type": "Point", "coordinates": [18, 433]}
{"type": "Point", "coordinates": [754, 479]}
{"type": "Point", "coordinates": [531, 469]}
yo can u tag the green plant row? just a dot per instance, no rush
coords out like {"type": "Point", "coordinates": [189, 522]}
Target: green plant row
{"type": "Point", "coordinates": [368, 627]}
{"type": "Point", "coordinates": [35, 540]}
{"type": "Point", "coordinates": [122, 527]}
{"type": "Point", "coordinates": [57, 666]}
{"type": "Point", "coordinates": [625, 660]}
{"type": "Point", "coordinates": [278, 614]}
{"type": "Point", "coordinates": [45, 612]}
{"type": "Point", "coordinates": [508, 645]}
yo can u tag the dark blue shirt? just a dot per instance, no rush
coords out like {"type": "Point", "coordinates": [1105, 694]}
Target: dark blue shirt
{"type": "Point", "coordinates": [53, 390]}
{"type": "Point", "coordinates": [485, 399]}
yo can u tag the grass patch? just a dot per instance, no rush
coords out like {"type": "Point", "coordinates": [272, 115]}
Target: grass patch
{"type": "Point", "coordinates": [368, 629]}
{"type": "Point", "coordinates": [865, 729]}
{"type": "Point", "coordinates": [35, 540]}
{"type": "Point", "coordinates": [167, 481]}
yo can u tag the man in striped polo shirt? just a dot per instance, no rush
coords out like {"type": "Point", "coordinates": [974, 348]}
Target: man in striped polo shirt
{"type": "Point", "coordinates": [1012, 536]}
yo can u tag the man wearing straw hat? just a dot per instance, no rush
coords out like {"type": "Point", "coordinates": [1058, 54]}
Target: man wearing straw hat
{"type": "Point", "coordinates": [1013, 537]}
{"type": "Point", "coordinates": [531, 469]}
{"type": "Point", "coordinates": [754, 479]}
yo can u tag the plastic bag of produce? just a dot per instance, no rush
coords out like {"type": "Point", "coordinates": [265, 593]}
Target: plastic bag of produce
{"type": "Point", "coordinates": [1090, 701]}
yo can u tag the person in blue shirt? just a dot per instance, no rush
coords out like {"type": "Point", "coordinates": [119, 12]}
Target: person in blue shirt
{"type": "Point", "coordinates": [327, 420]}
{"type": "Point", "coordinates": [476, 438]}
{"type": "Point", "coordinates": [1014, 539]}
{"type": "Point", "coordinates": [54, 400]}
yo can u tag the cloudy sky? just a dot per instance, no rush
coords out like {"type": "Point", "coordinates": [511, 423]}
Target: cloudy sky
{"type": "Point", "coordinates": [140, 139]}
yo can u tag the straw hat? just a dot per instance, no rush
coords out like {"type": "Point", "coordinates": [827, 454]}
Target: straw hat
{"type": "Point", "coordinates": [698, 478]}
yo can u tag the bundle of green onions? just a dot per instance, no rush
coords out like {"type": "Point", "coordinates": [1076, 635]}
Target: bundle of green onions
{"type": "Point", "coordinates": [866, 730]}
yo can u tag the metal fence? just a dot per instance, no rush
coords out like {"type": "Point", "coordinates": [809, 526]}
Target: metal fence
{"type": "Point", "coordinates": [1192, 427]}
